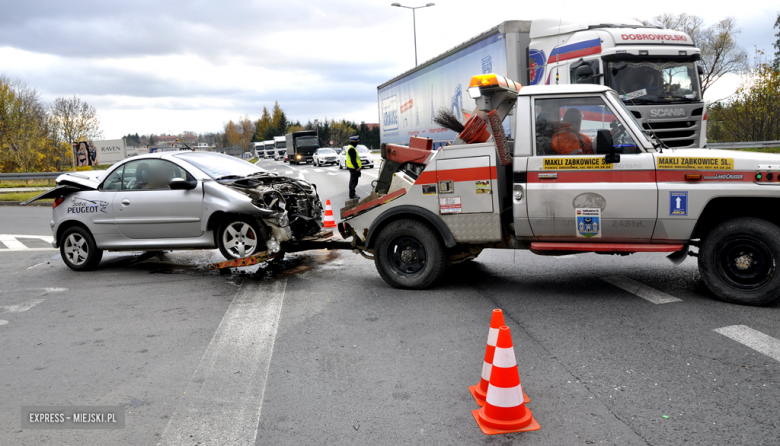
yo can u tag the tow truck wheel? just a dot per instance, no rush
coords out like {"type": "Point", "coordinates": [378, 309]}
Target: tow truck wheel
{"type": "Point", "coordinates": [239, 238]}
{"type": "Point", "coordinates": [409, 255]}
{"type": "Point", "coordinates": [739, 260]}
{"type": "Point", "coordinates": [78, 249]}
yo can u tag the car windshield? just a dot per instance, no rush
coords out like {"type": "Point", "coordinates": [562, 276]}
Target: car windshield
{"type": "Point", "coordinates": [327, 152]}
{"type": "Point", "coordinates": [217, 165]}
{"type": "Point", "coordinates": [362, 149]}
{"type": "Point", "coordinates": [654, 81]}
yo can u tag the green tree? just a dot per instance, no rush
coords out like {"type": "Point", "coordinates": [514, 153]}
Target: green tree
{"type": "Point", "coordinates": [340, 133]}
{"type": "Point", "coordinates": [776, 62]}
{"type": "Point", "coordinates": [262, 125]}
{"type": "Point", "coordinates": [278, 119]}
{"type": "Point", "coordinates": [751, 114]}
{"type": "Point", "coordinates": [270, 132]}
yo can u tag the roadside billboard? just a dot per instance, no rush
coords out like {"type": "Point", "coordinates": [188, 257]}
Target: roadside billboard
{"type": "Point", "coordinates": [408, 105]}
{"type": "Point", "coordinates": [95, 153]}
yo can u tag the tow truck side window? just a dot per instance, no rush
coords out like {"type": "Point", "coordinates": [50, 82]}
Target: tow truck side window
{"type": "Point", "coordinates": [568, 126]}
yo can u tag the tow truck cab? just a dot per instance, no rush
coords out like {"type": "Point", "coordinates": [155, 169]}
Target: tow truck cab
{"type": "Point", "coordinates": [580, 176]}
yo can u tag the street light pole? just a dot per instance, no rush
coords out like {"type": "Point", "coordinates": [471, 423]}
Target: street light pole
{"type": "Point", "coordinates": [414, 23]}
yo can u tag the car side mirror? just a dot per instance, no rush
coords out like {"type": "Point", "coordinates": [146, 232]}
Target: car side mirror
{"type": "Point", "coordinates": [604, 144]}
{"type": "Point", "coordinates": [182, 184]}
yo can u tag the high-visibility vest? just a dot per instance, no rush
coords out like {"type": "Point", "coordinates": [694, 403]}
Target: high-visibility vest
{"type": "Point", "coordinates": [348, 161]}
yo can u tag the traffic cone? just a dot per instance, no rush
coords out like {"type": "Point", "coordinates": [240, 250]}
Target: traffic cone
{"type": "Point", "coordinates": [329, 221]}
{"type": "Point", "coordinates": [479, 391]}
{"type": "Point", "coordinates": [504, 411]}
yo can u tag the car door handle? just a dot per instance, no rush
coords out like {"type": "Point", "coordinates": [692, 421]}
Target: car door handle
{"type": "Point", "coordinates": [548, 176]}
{"type": "Point", "coordinates": [125, 202]}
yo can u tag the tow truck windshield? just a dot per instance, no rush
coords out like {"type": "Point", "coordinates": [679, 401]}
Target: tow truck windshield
{"type": "Point", "coordinates": [654, 81]}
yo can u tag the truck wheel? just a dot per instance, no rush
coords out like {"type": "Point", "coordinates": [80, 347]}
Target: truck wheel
{"type": "Point", "coordinates": [78, 249]}
{"type": "Point", "coordinates": [409, 255]}
{"type": "Point", "coordinates": [239, 238]}
{"type": "Point", "coordinates": [739, 259]}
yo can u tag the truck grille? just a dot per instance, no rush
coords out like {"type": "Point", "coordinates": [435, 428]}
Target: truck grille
{"type": "Point", "coordinates": [674, 134]}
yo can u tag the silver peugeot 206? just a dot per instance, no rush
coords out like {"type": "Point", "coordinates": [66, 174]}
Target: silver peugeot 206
{"type": "Point", "coordinates": [179, 201]}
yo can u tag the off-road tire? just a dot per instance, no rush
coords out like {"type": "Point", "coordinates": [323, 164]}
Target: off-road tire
{"type": "Point", "coordinates": [74, 238]}
{"type": "Point", "coordinates": [227, 251]}
{"type": "Point", "coordinates": [422, 242]}
{"type": "Point", "coordinates": [739, 261]}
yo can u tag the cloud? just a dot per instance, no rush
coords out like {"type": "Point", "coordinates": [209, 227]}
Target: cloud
{"type": "Point", "coordinates": [152, 66]}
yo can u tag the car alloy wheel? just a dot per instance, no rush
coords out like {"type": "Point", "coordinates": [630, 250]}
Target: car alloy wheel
{"type": "Point", "coordinates": [76, 249]}
{"type": "Point", "coordinates": [240, 239]}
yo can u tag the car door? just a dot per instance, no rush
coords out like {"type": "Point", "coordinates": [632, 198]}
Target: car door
{"type": "Point", "coordinates": [574, 195]}
{"type": "Point", "coordinates": [146, 207]}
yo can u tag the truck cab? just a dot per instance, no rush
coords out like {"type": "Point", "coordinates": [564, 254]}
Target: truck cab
{"type": "Point", "coordinates": [654, 71]}
{"type": "Point", "coordinates": [280, 147]}
{"type": "Point", "coordinates": [581, 175]}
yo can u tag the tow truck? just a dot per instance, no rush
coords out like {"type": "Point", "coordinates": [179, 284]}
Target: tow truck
{"type": "Point", "coordinates": [431, 209]}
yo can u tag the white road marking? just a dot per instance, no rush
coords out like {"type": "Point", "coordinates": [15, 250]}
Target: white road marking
{"type": "Point", "coordinates": [567, 256]}
{"type": "Point", "coordinates": [38, 264]}
{"type": "Point", "coordinates": [2, 322]}
{"type": "Point", "coordinates": [641, 290]}
{"type": "Point", "coordinates": [45, 290]}
{"type": "Point", "coordinates": [288, 172]}
{"type": "Point", "coordinates": [332, 173]}
{"type": "Point", "coordinates": [754, 339]}
{"type": "Point", "coordinates": [318, 170]}
{"type": "Point", "coordinates": [224, 398]}
{"type": "Point", "coordinates": [26, 249]}
{"type": "Point", "coordinates": [21, 307]}
{"type": "Point", "coordinates": [300, 174]}
{"type": "Point", "coordinates": [11, 242]}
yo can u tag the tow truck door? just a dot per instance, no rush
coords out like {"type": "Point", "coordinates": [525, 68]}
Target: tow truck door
{"type": "Point", "coordinates": [579, 197]}
{"type": "Point", "coordinates": [465, 185]}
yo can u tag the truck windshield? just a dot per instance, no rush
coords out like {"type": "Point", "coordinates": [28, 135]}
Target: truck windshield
{"type": "Point", "coordinates": [281, 145]}
{"type": "Point", "coordinates": [306, 141]}
{"type": "Point", "coordinates": [654, 81]}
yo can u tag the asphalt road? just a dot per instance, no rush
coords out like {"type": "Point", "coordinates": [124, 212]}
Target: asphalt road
{"type": "Point", "coordinates": [611, 350]}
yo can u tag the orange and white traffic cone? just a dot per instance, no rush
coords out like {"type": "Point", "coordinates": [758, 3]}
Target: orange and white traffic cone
{"type": "Point", "coordinates": [479, 391]}
{"type": "Point", "coordinates": [504, 411]}
{"type": "Point", "coordinates": [329, 221]}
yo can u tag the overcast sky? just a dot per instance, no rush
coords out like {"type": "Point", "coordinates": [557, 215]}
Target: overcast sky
{"type": "Point", "coordinates": [159, 66]}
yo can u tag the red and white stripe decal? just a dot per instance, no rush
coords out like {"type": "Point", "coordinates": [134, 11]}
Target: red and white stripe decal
{"type": "Point", "coordinates": [468, 174]}
{"type": "Point", "coordinates": [596, 176]}
{"type": "Point", "coordinates": [665, 176]}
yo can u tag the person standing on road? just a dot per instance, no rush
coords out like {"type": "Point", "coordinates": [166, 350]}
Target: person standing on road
{"type": "Point", "coordinates": [352, 160]}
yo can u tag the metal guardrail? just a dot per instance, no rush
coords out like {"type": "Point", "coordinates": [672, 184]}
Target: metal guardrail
{"type": "Point", "coordinates": [30, 176]}
{"type": "Point", "coordinates": [743, 145]}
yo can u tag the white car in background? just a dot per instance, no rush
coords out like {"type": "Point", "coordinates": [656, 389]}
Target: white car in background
{"type": "Point", "coordinates": [366, 159]}
{"type": "Point", "coordinates": [324, 155]}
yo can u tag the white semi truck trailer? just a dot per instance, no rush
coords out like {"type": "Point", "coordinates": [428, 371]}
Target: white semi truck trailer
{"type": "Point", "coordinates": [654, 71]}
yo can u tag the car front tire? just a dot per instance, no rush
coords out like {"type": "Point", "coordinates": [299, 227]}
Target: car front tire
{"type": "Point", "coordinates": [739, 261]}
{"type": "Point", "coordinates": [410, 255]}
{"type": "Point", "coordinates": [239, 238]}
{"type": "Point", "coordinates": [78, 249]}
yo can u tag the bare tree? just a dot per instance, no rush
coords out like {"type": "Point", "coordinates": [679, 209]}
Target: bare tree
{"type": "Point", "coordinates": [720, 53]}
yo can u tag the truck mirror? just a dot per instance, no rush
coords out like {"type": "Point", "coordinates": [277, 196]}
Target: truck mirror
{"type": "Point", "coordinates": [584, 74]}
{"type": "Point", "coordinates": [700, 70]}
{"type": "Point", "coordinates": [604, 144]}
